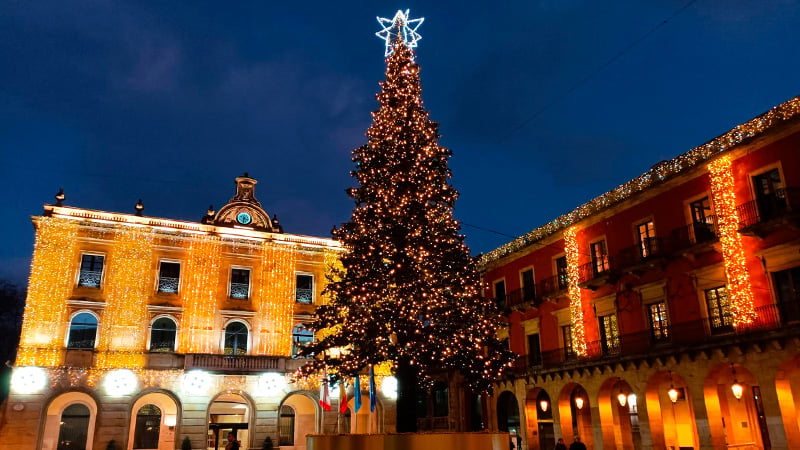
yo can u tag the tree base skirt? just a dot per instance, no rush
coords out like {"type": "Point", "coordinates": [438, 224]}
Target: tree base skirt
{"type": "Point", "coordinates": [409, 441]}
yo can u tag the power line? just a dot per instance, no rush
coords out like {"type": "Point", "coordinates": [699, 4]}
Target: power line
{"type": "Point", "coordinates": [594, 73]}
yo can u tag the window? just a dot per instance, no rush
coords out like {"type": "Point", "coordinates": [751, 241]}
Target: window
{"type": "Point", "coordinates": [659, 321]}
{"type": "Point", "coordinates": [91, 272]}
{"type": "Point", "coordinates": [528, 289]}
{"type": "Point", "coordinates": [719, 310]}
{"type": "Point", "coordinates": [787, 290]}
{"type": "Point", "coordinates": [561, 272]}
{"type": "Point", "coordinates": [304, 292]}
{"type": "Point", "coordinates": [162, 335]}
{"type": "Point", "coordinates": [286, 426]}
{"type": "Point", "coordinates": [301, 336]}
{"type": "Point", "coordinates": [74, 427]}
{"type": "Point", "coordinates": [169, 277]}
{"type": "Point", "coordinates": [148, 427]}
{"type": "Point", "coordinates": [609, 334]}
{"type": "Point", "coordinates": [534, 350]}
{"type": "Point", "coordinates": [82, 331]}
{"type": "Point", "coordinates": [240, 284]}
{"type": "Point", "coordinates": [702, 227]}
{"type": "Point", "coordinates": [440, 400]}
{"type": "Point", "coordinates": [236, 339]}
{"type": "Point", "coordinates": [770, 195]}
{"type": "Point", "coordinates": [700, 210]}
{"type": "Point", "coordinates": [566, 334]}
{"type": "Point", "coordinates": [599, 257]}
{"type": "Point", "coordinates": [646, 233]}
{"type": "Point", "coordinates": [500, 294]}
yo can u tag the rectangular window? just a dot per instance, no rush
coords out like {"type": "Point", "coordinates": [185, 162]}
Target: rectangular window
{"type": "Point", "coordinates": [659, 321]}
{"type": "Point", "coordinates": [91, 272]}
{"type": "Point", "coordinates": [240, 284]}
{"type": "Point", "coordinates": [646, 233]}
{"type": "Point", "coordinates": [700, 210]}
{"type": "Point", "coordinates": [770, 195]}
{"type": "Point", "coordinates": [787, 290]}
{"type": "Point", "coordinates": [528, 289]}
{"type": "Point", "coordinates": [562, 272]}
{"type": "Point", "coordinates": [719, 310]}
{"type": "Point", "coordinates": [534, 350]}
{"type": "Point", "coordinates": [566, 334]}
{"type": "Point", "coordinates": [169, 277]}
{"type": "Point", "coordinates": [703, 227]}
{"type": "Point", "coordinates": [599, 257]}
{"type": "Point", "coordinates": [500, 294]}
{"type": "Point", "coordinates": [304, 292]}
{"type": "Point", "coordinates": [609, 334]}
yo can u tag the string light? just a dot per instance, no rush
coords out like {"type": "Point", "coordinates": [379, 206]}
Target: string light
{"type": "Point", "coordinates": [275, 300]}
{"type": "Point", "coordinates": [200, 320]}
{"type": "Point", "coordinates": [658, 174]}
{"type": "Point", "coordinates": [723, 192]}
{"type": "Point", "coordinates": [50, 284]}
{"type": "Point", "coordinates": [399, 24]}
{"type": "Point", "coordinates": [574, 291]}
{"type": "Point", "coordinates": [129, 282]}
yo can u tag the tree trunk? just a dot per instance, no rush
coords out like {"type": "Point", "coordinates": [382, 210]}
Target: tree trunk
{"type": "Point", "coordinates": [406, 397]}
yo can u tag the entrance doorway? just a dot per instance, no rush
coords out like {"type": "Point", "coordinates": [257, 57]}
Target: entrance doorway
{"type": "Point", "coordinates": [228, 414]}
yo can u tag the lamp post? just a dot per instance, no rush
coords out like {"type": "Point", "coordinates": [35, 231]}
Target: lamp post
{"type": "Point", "coordinates": [736, 388]}
{"type": "Point", "coordinates": [672, 393]}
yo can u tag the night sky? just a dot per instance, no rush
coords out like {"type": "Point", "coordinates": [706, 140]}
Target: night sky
{"type": "Point", "coordinates": [545, 104]}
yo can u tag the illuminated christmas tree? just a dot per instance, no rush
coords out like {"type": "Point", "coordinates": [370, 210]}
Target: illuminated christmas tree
{"type": "Point", "coordinates": [409, 291]}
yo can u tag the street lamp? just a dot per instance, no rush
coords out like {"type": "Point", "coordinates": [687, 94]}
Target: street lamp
{"type": "Point", "coordinates": [672, 392]}
{"type": "Point", "coordinates": [622, 398]}
{"type": "Point", "coordinates": [543, 405]}
{"type": "Point", "coordinates": [736, 388]}
{"type": "Point", "coordinates": [579, 402]}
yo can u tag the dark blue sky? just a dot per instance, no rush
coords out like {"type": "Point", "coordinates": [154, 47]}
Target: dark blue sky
{"type": "Point", "coordinates": [169, 102]}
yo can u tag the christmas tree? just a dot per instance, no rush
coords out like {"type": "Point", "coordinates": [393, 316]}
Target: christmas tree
{"type": "Point", "coordinates": [408, 290]}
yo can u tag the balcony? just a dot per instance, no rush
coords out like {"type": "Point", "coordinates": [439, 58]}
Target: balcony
{"type": "Point", "coordinates": [523, 298]}
{"type": "Point", "coordinates": [595, 274]}
{"type": "Point", "coordinates": [233, 363]}
{"type": "Point", "coordinates": [240, 291]}
{"type": "Point", "coordinates": [782, 319]}
{"type": "Point", "coordinates": [647, 254]}
{"type": "Point", "coordinates": [553, 287]}
{"type": "Point", "coordinates": [695, 238]}
{"type": "Point", "coordinates": [90, 278]}
{"type": "Point", "coordinates": [764, 215]}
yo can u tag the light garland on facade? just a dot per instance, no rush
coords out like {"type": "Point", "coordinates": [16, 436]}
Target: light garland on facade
{"type": "Point", "coordinates": [122, 334]}
{"type": "Point", "coordinates": [574, 291]}
{"type": "Point", "coordinates": [50, 284]}
{"type": "Point", "coordinates": [275, 299]}
{"type": "Point", "coordinates": [739, 289]}
{"type": "Point", "coordinates": [659, 173]}
{"type": "Point", "coordinates": [200, 321]}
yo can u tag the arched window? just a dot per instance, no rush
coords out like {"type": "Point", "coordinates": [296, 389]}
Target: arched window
{"type": "Point", "coordinates": [440, 399]}
{"type": "Point", "coordinates": [148, 427]}
{"type": "Point", "coordinates": [301, 336]}
{"type": "Point", "coordinates": [162, 335]}
{"type": "Point", "coordinates": [236, 339]}
{"type": "Point", "coordinates": [82, 331]}
{"type": "Point", "coordinates": [286, 426]}
{"type": "Point", "coordinates": [74, 427]}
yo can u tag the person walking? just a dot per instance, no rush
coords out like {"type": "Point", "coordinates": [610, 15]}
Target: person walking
{"type": "Point", "coordinates": [560, 445]}
{"type": "Point", "coordinates": [577, 445]}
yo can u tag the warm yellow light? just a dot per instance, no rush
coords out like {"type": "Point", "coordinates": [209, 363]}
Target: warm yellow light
{"type": "Point", "coordinates": [672, 393]}
{"type": "Point", "coordinates": [739, 289]}
{"type": "Point", "coordinates": [543, 405]}
{"type": "Point", "coordinates": [45, 319]}
{"type": "Point", "coordinates": [275, 297]}
{"type": "Point", "coordinates": [737, 390]}
{"type": "Point", "coordinates": [574, 291]}
{"type": "Point", "coordinates": [200, 321]}
{"type": "Point", "coordinates": [622, 399]}
{"type": "Point", "coordinates": [579, 402]}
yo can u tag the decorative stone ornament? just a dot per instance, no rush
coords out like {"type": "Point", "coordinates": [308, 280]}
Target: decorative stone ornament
{"type": "Point", "coordinates": [243, 210]}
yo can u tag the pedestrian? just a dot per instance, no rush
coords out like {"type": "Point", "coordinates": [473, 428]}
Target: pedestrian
{"type": "Point", "coordinates": [560, 445]}
{"type": "Point", "coordinates": [577, 445]}
{"type": "Point", "coordinates": [233, 444]}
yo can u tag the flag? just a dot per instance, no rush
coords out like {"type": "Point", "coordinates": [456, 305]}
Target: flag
{"type": "Point", "coordinates": [342, 396]}
{"type": "Point", "coordinates": [324, 399]}
{"type": "Point", "coordinates": [357, 394]}
{"type": "Point", "coordinates": [373, 396]}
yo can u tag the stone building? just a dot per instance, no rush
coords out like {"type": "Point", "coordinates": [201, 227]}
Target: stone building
{"type": "Point", "coordinates": [665, 313]}
{"type": "Point", "coordinates": [146, 331]}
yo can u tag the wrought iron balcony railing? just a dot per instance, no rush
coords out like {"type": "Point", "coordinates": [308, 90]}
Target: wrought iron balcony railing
{"type": "Point", "coordinates": [90, 278]}
{"type": "Point", "coordinates": [240, 291]}
{"type": "Point", "coordinates": [770, 207]}
{"type": "Point", "coordinates": [231, 363]}
{"type": "Point", "coordinates": [168, 285]}
{"type": "Point", "coordinates": [695, 234]}
{"type": "Point", "coordinates": [522, 296]}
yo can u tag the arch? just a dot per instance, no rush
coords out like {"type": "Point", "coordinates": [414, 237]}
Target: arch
{"type": "Point", "coordinates": [53, 418]}
{"type": "Point", "coordinates": [619, 423]}
{"type": "Point", "coordinates": [163, 336]}
{"type": "Point", "coordinates": [232, 411]}
{"type": "Point", "coordinates": [733, 421]}
{"type": "Point", "coordinates": [575, 421]}
{"type": "Point", "coordinates": [787, 385]}
{"type": "Point", "coordinates": [236, 337]}
{"type": "Point", "coordinates": [671, 424]}
{"type": "Point", "coordinates": [507, 411]}
{"type": "Point", "coordinates": [167, 423]}
{"type": "Point", "coordinates": [82, 330]}
{"type": "Point", "coordinates": [539, 420]}
{"type": "Point", "coordinates": [306, 420]}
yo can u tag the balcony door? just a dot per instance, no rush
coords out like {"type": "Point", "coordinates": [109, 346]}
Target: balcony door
{"type": "Point", "coordinates": [787, 291]}
{"type": "Point", "coordinates": [770, 196]}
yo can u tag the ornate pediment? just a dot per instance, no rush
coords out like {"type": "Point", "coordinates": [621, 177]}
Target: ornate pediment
{"type": "Point", "coordinates": [244, 210]}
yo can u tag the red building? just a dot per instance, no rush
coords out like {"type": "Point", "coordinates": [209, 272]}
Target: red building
{"type": "Point", "coordinates": [666, 312]}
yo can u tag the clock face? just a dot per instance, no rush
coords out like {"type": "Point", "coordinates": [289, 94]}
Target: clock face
{"type": "Point", "coordinates": [243, 218]}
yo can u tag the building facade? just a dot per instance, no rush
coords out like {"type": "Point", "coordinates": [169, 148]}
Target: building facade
{"type": "Point", "coordinates": [146, 331]}
{"type": "Point", "coordinates": [665, 313]}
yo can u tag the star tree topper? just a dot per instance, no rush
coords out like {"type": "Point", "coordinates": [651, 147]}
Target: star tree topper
{"type": "Point", "coordinates": [408, 29]}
